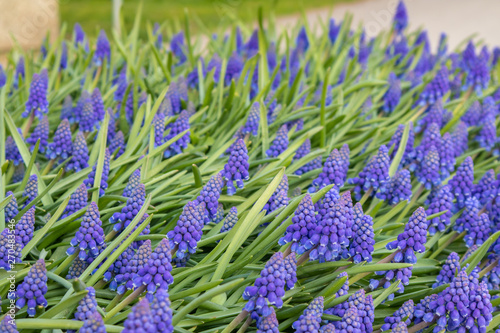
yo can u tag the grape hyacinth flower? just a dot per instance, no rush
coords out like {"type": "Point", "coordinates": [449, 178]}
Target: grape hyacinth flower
{"type": "Point", "coordinates": [392, 95]}
{"type": "Point", "coordinates": [477, 232]}
{"type": "Point", "coordinates": [461, 184]}
{"type": "Point", "coordinates": [77, 201]}
{"type": "Point", "coordinates": [487, 137]}
{"type": "Point", "coordinates": [361, 246]}
{"type": "Point", "coordinates": [76, 269]}
{"type": "Point", "coordinates": [310, 320]}
{"type": "Point", "coordinates": [64, 56]}
{"type": "Point", "coordinates": [80, 157]}
{"type": "Point", "coordinates": [156, 273]}
{"type": "Point", "coordinates": [12, 152]}
{"type": "Point", "coordinates": [178, 47]}
{"type": "Point", "coordinates": [312, 165]}
{"type": "Point", "coordinates": [124, 281]}
{"type": "Point", "coordinates": [117, 144]}
{"type": "Point", "coordinates": [428, 173]}
{"type": "Point", "coordinates": [477, 74]}
{"type": "Point", "coordinates": [396, 141]}
{"type": "Point", "coordinates": [31, 190]}
{"type": "Point", "coordinates": [480, 309]}
{"type": "Point", "coordinates": [93, 324]}
{"type": "Point", "coordinates": [61, 145]}
{"type": "Point", "coordinates": [268, 324]}
{"type": "Point", "coordinates": [252, 124]}
{"type": "Point", "coordinates": [230, 220]}
{"type": "Point", "coordinates": [187, 233]}
{"type": "Point", "coordinates": [436, 114]}
{"type": "Point", "coordinates": [10, 250]}
{"type": "Point", "coordinates": [161, 312]}
{"type": "Point", "coordinates": [32, 290]}
{"type": "Point", "coordinates": [98, 105]}
{"type": "Point", "coordinates": [233, 69]}
{"type": "Point", "coordinates": [8, 325]}
{"type": "Point", "coordinates": [3, 77]}
{"type": "Point", "coordinates": [403, 315]}
{"type": "Point", "coordinates": [443, 201]}
{"type": "Point", "coordinates": [268, 289]}
{"type": "Point", "coordinates": [333, 173]}
{"type": "Point", "coordinates": [431, 137]}
{"type": "Point", "coordinates": [412, 239]}
{"type": "Point", "coordinates": [173, 96]}
{"type": "Point", "coordinates": [280, 143]}
{"type": "Point", "coordinates": [375, 175]}
{"type": "Point", "coordinates": [468, 216]}
{"type": "Point", "coordinates": [177, 127]}
{"type": "Point", "coordinates": [303, 221]}
{"type": "Point", "coordinates": [123, 218]}
{"type": "Point", "coordinates": [236, 168]}
{"type": "Point", "coordinates": [400, 21]}
{"type": "Point", "coordinates": [303, 150]}
{"type": "Point", "coordinates": [350, 322]}
{"type": "Point", "coordinates": [209, 195]}
{"type": "Point", "coordinates": [67, 108]}
{"type": "Point", "coordinates": [103, 49]}
{"type": "Point", "coordinates": [140, 319]}
{"type": "Point", "coordinates": [87, 307]}
{"type": "Point", "coordinates": [121, 262]}
{"type": "Point", "coordinates": [473, 114]}
{"type": "Point", "coordinates": [489, 108]}
{"type": "Point", "coordinates": [422, 310]}
{"type": "Point", "coordinates": [159, 128]}
{"type": "Point", "coordinates": [486, 190]}
{"type": "Point", "coordinates": [435, 89]}
{"type": "Point", "coordinates": [133, 181]}
{"type": "Point", "coordinates": [89, 235]}
{"type": "Point", "coordinates": [89, 182]}
{"type": "Point", "coordinates": [37, 100]}
{"type": "Point", "coordinates": [448, 270]}
{"type": "Point", "coordinates": [41, 133]}
{"type": "Point", "coordinates": [447, 156]}
{"type": "Point", "coordinates": [399, 188]}
{"type": "Point", "coordinates": [291, 271]}
{"type": "Point", "coordinates": [460, 139]}
{"type": "Point", "coordinates": [11, 210]}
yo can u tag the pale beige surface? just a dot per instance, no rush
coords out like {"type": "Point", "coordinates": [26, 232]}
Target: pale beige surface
{"type": "Point", "coordinates": [458, 18]}
{"type": "Point", "coordinates": [28, 21]}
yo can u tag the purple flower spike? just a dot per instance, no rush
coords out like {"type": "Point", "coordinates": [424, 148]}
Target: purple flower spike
{"type": "Point", "coordinates": [486, 190]}
{"type": "Point", "coordinates": [303, 221]}
{"type": "Point", "coordinates": [478, 74]}
{"type": "Point", "coordinates": [177, 127]}
{"type": "Point", "coordinates": [11, 210]}
{"type": "Point", "coordinates": [120, 263]}
{"type": "Point", "coordinates": [67, 108]}
{"type": "Point", "coordinates": [291, 271]}
{"type": "Point", "coordinates": [187, 233]}
{"type": "Point", "coordinates": [117, 144]}
{"type": "Point", "coordinates": [129, 107]}
{"type": "Point", "coordinates": [280, 144]}
{"type": "Point", "coordinates": [396, 141]}
{"type": "Point", "coordinates": [403, 315]}
{"type": "Point", "coordinates": [344, 154]}
{"type": "Point", "coordinates": [233, 69]}
{"type": "Point", "coordinates": [76, 115]}
{"type": "Point", "coordinates": [103, 49]}
{"type": "Point", "coordinates": [453, 302]}
{"type": "Point", "coordinates": [375, 174]}
{"type": "Point", "coordinates": [422, 310]}
{"type": "Point", "coordinates": [460, 139]}
{"type": "Point", "coordinates": [469, 216]}
{"type": "Point", "coordinates": [8, 325]}
{"type": "Point", "coordinates": [89, 235]}
{"type": "Point", "coordinates": [156, 273]}
{"type": "Point", "coordinates": [443, 201]}
{"type": "Point", "coordinates": [220, 214]}
{"type": "Point", "coordinates": [448, 270]}
{"type": "Point", "coordinates": [303, 150]}
{"type": "Point", "coordinates": [313, 165]}
{"type": "Point", "coordinates": [401, 327]}
{"type": "Point", "coordinates": [350, 322]}
{"type": "Point", "coordinates": [412, 239]}
{"type": "Point", "coordinates": [77, 201]}
{"type": "Point", "coordinates": [268, 289]}
{"type": "Point", "coordinates": [473, 114]}
{"type": "Point", "coordinates": [333, 173]}
{"type": "Point", "coordinates": [3, 77]}
{"type": "Point", "coordinates": [236, 169]}
{"type": "Point", "coordinates": [487, 137]}
{"type": "Point", "coordinates": [361, 246]}
{"type": "Point", "coordinates": [31, 190]}
{"type": "Point", "coordinates": [122, 219]}
{"type": "Point", "coordinates": [37, 100]}
{"type": "Point", "coordinates": [431, 137]}
{"type": "Point", "coordinates": [437, 114]}
{"type": "Point", "coordinates": [159, 128]}
{"type": "Point", "coordinates": [76, 269]}
{"type": "Point", "coordinates": [252, 124]}
{"type": "Point", "coordinates": [399, 188]}
{"type": "Point", "coordinates": [310, 320]}
{"type": "Point", "coordinates": [80, 157]}
{"type": "Point", "coordinates": [435, 89]}
{"type": "Point", "coordinates": [32, 290]}
{"type": "Point", "coordinates": [268, 324]}
{"type": "Point", "coordinates": [178, 47]}
{"type": "Point", "coordinates": [480, 309]}
{"type": "Point", "coordinates": [133, 181]}
{"type": "Point", "coordinates": [89, 182]}
{"type": "Point", "coordinates": [461, 184]}
{"type": "Point", "coordinates": [477, 232]}
{"type": "Point", "coordinates": [161, 311]}
{"type": "Point", "coordinates": [124, 280]}
{"type": "Point", "coordinates": [87, 307]}
{"type": "Point", "coordinates": [93, 324]}
{"type": "Point", "coordinates": [231, 220]}
{"type": "Point", "coordinates": [209, 195]}
{"type": "Point", "coordinates": [392, 95]}
{"type": "Point", "coordinates": [173, 96]}
{"type": "Point", "coordinates": [489, 107]}
{"type": "Point", "coordinates": [447, 156]}
{"type": "Point", "coordinates": [12, 152]}
{"type": "Point", "coordinates": [98, 104]}
{"type": "Point", "coordinates": [61, 145]}
{"type": "Point", "coordinates": [10, 250]}
{"type": "Point", "coordinates": [78, 34]}
{"type": "Point", "coordinates": [428, 173]}
{"type": "Point", "coordinates": [41, 133]}
{"type": "Point", "coordinates": [328, 328]}
{"type": "Point", "coordinates": [400, 21]}
{"type": "Point", "coordinates": [140, 319]}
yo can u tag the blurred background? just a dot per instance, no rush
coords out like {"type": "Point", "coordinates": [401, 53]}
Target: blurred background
{"type": "Point", "coordinates": [27, 22]}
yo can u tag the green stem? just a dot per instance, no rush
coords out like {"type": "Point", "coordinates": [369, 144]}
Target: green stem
{"type": "Point", "coordinates": [130, 298]}
{"type": "Point", "coordinates": [450, 240]}
{"type": "Point", "coordinates": [488, 268]}
{"type": "Point", "coordinates": [414, 199]}
{"type": "Point", "coordinates": [100, 284]}
{"type": "Point", "coordinates": [366, 195]}
{"type": "Point", "coordinates": [420, 326]}
{"type": "Point", "coordinates": [66, 262]}
{"type": "Point", "coordinates": [113, 302]}
{"type": "Point", "coordinates": [28, 124]}
{"type": "Point", "coordinates": [238, 319]}
{"type": "Point", "coordinates": [245, 325]}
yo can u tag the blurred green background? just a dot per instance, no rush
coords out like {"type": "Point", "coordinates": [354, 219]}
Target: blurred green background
{"type": "Point", "coordinates": [96, 14]}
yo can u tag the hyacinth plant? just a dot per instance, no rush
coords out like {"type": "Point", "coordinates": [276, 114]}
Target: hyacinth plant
{"type": "Point", "coordinates": [143, 182]}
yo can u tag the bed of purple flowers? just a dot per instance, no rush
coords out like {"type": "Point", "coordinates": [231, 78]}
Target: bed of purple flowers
{"type": "Point", "coordinates": [303, 181]}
